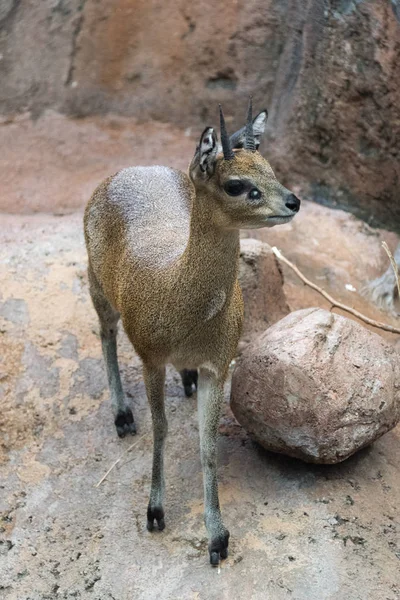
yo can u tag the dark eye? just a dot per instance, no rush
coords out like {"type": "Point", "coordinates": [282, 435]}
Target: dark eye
{"type": "Point", "coordinates": [234, 187]}
{"type": "Point", "coordinates": [254, 194]}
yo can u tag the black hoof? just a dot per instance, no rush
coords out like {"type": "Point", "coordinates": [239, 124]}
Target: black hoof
{"type": "Point", "coordinates": [155, 514]}
{"type": "Point", "coordinates": [189, 380]}
{"type": "Point", "coordinates": [124, 423]}
{"type": "Point", "coordinates": [218, 548]}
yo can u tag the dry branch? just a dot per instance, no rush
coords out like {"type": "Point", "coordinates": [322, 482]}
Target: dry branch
{"type": "Point", "coordinates": [118, 460]}
{"type": "Point", "coordinates": [394, 265]}
{"type": "Point", "coordinates": [328, 297]}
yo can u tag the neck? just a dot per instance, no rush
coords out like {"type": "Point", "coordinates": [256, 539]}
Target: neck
{"type": "Point", "coordinates": [211, 258]}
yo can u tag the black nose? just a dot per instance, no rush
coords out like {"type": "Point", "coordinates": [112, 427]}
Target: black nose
{"type": "Point", "coordinates": [293, 203]}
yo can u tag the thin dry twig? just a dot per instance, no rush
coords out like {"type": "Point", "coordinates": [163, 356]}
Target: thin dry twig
{"type": "Point", "coordinates": [118, 460]}
{"type": "Point", "coordinates": [328, 297]}
{"type": "Point", "coordinates": [394, 265]}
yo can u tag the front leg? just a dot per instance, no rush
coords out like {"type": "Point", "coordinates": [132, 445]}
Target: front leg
{"type": "Point", "coordinates": [210, 397]}
{"type": "Point", "coordinates": [154, 378]}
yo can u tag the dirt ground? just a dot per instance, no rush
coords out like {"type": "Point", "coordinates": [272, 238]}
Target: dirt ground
{"type": "Point", "coordinates": [298, 531]}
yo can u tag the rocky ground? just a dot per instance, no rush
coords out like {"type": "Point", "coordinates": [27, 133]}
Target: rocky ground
{"type": "Point", "coordinates": [298, 531]}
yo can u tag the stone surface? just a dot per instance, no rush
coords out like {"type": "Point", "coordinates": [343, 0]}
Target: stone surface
{"type": "Point", "coordinates": [261, 281]}
{"type": "Point", "coordinates": [335, 112]}
{"type": "Point", "coordinates": [291, 523]}
{"type": "Point", "coordinates": [317, 386]}
{"type": "Point", "coordinates": [328, 72]}
{"type": "Point", "coordinates": [165, 60]}
{"type": "Point", "coordinates": [54, 164]}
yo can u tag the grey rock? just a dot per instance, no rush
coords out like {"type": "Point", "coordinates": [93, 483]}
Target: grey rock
{"type": "Point", "coordinates": [317, 386]}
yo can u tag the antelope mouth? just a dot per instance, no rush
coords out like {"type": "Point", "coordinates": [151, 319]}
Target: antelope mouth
{"type": "Point", "coordinates": [280, 219]}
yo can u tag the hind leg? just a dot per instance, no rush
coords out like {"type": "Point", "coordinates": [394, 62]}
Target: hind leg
{"type": "Point", "coordinates": [189, 379]}
{"type": "Point", "coordinates": [108, 317]}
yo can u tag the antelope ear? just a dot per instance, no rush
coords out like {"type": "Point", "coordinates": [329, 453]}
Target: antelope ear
{"type": "Point", "coordinates": [207, 150]}
{"type": "Point", "coordinates": [259, 124]}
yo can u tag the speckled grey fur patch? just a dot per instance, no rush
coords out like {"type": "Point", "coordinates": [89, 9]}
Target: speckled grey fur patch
{"type": "Point", "coordinates": [156, 204]}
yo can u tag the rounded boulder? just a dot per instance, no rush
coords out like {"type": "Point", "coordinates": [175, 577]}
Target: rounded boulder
{"type": "Point", "coordinates": [317, 386]}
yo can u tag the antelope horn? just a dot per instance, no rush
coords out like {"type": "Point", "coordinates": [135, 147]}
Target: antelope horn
{"type": "Point", "coordinates": [225, 141]}
{"type": "Point", "coordinates": [249, 143]}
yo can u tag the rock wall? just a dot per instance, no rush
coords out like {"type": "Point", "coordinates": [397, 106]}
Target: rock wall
{"type": "Point", "coordinates": [168, 60]}
{"type": "Point", "coordinates": [335, 117]}
{"type": "Point", "coordinates": [328, 71]}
